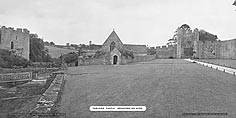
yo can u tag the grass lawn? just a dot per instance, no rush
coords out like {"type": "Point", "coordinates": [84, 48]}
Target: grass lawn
{"type": "Point", "coordinates": [17, 106]}
{"type": "Point", "coordinates": [167, 87]}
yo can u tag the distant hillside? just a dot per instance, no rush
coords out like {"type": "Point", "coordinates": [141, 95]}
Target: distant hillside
{"type": "Point", "coordinates": [56, 52]}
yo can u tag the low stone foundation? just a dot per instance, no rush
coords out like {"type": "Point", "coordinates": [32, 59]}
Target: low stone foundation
{"type": "Point", "coordinates": [51, 96]}
{"type": "Point", "coordinates": [9, 77]}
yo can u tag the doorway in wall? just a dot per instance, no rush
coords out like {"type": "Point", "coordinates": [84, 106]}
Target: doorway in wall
{"type": "Point", "coordinates": [115, 59]}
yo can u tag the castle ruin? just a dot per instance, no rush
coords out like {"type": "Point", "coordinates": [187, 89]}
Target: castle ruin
{"type": "Point", "coordinates": [16, 41]}
{"type": "Point", "coordinates": [198, 44]}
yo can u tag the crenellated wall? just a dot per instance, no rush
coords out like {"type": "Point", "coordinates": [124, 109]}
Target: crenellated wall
{"type": "Point", "coordinates": [165, 52]}
{"type": "Point", "coordinates": [19, 38]}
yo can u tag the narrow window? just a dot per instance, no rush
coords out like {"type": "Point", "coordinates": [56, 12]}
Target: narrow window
{"type": "Point", "coordinates": [12, 45]}
{"type": "Point", "coordinates": [112, 46]}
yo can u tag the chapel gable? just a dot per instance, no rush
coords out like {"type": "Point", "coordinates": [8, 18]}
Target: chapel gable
{"type": "Point", "coordinates": [112, 42]}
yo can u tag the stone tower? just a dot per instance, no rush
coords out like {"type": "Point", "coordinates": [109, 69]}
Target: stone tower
{"type": "Point", "coordinates": [16, 41]}
{"type": "Point", "coordinates": [179, 43]}
{"type": "Point", "coordinates": [196, 48]}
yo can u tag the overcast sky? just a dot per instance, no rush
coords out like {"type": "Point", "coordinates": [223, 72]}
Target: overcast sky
{"type": "Point", "coordinates": [149, 22]}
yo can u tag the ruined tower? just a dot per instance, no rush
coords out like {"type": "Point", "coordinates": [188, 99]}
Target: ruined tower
{"type": "Point", "coordinates": [16, 41]}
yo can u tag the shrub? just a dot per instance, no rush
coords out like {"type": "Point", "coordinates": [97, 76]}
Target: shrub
{"type": "Point", "coordinates": [8, 60]}
{"type": "Point", "coordinates": [127, 53]}
{"type": "Point", "coordinates": [99, 53]}
{"type": "Point", "coordinates": [70, 57]}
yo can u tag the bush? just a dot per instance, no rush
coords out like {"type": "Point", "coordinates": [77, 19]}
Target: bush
{"type": "Point", "coordinates": [8, 60]}
{"type": "Point", "coordinates": [127, 53]}
{"type": "Point", "coordinates": [3, 63]}
{"type": "Point", "coordinates": [70, 57]}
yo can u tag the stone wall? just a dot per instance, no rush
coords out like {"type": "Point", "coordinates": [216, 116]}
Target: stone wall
{"type": "Point", "coordinates": [123, 60]}
{"type": "Point", "coordinates": [227, 49]}
{"type": "Point", "coordinates": [144, 58]}
{"type": "Point", "coordinates": [15, 40]}
{"type": "Point", "coordinates": [166, 52]}
{"type": "Point", "coordinates": [217, 49]}
{"type": "Point", "coordinates": [92, 61]}
{"type": "Point", "coordinates": [126, 60]}
{"type": "Point", "coordinates": [208, 49]}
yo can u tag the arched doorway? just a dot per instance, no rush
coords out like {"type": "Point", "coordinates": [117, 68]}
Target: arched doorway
{"type": "Point", "coordinates": [115, 59]}
{"type": "Point", "coordinates": [76, 63]}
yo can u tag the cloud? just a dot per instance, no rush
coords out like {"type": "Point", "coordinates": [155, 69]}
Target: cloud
{"type": "Point", "coordinates": [150, 22]}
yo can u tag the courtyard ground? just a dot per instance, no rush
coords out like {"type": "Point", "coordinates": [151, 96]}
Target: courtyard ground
{"type": "Point", "coordinates": [167, 87]}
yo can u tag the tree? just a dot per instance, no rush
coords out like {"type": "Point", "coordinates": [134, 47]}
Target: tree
{"type": "Point", "coordinates": [52, 43]}
{"type": "Point", "coordinates": [183, 28]}
{"type": "Point", "coordinates": [37, 51]}
{"type": "Point", "coordinates": [234, 3]}
{"type": "Point", "coordinates": [172, 41]}
{"type": "Point", "coordinates": [46, 43]}
{"type": "Point", "coordinates": [181, 32]}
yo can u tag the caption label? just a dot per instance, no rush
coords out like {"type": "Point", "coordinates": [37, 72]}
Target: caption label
{"type": "Point", "coordinates": [117, 108]}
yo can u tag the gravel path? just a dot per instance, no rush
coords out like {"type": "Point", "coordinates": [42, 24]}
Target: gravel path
{"type": "Point", "coordinates": [168, 88]}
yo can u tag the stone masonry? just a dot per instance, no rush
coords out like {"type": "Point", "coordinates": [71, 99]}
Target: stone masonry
{"type": "Point", "coordinates": [16, 41]}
